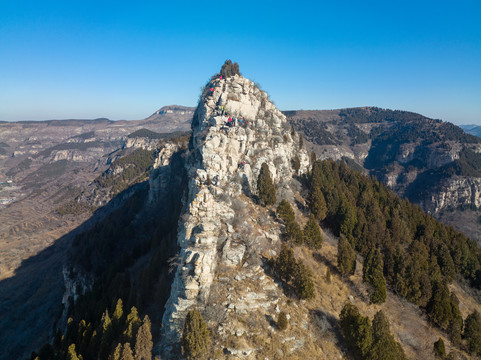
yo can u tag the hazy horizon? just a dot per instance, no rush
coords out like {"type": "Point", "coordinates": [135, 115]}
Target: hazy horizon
{"type": "Point", "coordinates": [110, 119]}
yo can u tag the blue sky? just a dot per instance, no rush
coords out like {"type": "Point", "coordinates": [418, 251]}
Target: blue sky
{"type": "Point", "coordinates": [124, 60]}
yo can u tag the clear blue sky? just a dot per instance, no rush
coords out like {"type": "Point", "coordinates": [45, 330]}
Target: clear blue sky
{"type": "Point", "coordinates": [124, 60]}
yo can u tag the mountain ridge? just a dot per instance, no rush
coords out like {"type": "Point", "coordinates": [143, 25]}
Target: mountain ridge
{"type": "Point", "coordinates": [431, 162]}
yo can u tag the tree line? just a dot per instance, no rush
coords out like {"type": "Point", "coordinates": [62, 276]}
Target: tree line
{"type": "Point", "coordinates": [119, 336]}
{"type": "Point", "coordinates": [403, 248]}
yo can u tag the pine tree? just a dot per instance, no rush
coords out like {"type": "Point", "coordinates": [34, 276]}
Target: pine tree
{"type": "Point", "coordinates": [133, 323]}
{"type": "Point", "coordinates": [106, 322]}
{"type": "Point", "coordinates": [107, 335]}
{"type": "Point", "coordinates": [94, 345]}
{"type": "Point", "coordinates": [83, 336]}
{"type": "Point", "coordinates": [378, 292]}
{"type": "Point", "coordinates": [346, 257]}
{"type": "Point", "coordinates": [439, 349]}
{"type": "Point", "coordinates": [143, 344]}
{"type": "Point", "coordinates": [282, 321]}
{"type": "Point", "coordinates": [384, 346]}
{"type": "Point", "coordinates": [317, 203]}
{"type": "Point", "coordinates": [117, 352]}
{"type": "Point", "coordinates": [119, 311]}
{"type": "Point", "coordinates": [440, 308]}
{"type": "Point", "coordinates": [285, 263]}
{"type": "Point", "coordinates": [302, 281]}
{"type": "Point", "coordinates": [127, 352]}
{"type": "Point", "coordinates": [293, 232]}
{"type": "Point", "coordinates": [265, 186]}
{"type": "Point", "coordinates": [229, 69]}
{"type": "Point", "coordinates": [380, 326]}
{"type": "Point", "coordinates": [472, 332]}
{"type": "Point", "coordinates": [195, 340]}
{"type": "Point", "coordinates": [456, 324]}
{"type": "Point", "coordinates": [117, 319]}
{"type": "Point", "coordinates": [346, 216]}
{"type": "Point", "coordinates": [285, 211]}
{"type": "Point", "coordinates": [72, 354]}
{"type": "Point", "coordinates": [312, 233]}
{"type": "Point", "coordinates": [372, 273]}
{"type": "Point", "coordinates": [356, 329]}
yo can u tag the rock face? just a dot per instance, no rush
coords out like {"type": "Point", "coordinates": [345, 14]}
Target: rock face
{"type": "Point", "coordinates": [141, 143]}
{"type": "Point", "coordinates": [455, 193]}
{"type": "Point", "coordinates": [162, 170]}
{"type": "Point", "coordinates": [223, 166]}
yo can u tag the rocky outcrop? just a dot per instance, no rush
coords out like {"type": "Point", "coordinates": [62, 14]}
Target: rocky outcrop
{"type": "Point", "coordinates": [454, 193]}
{"type": "Point", "coordinates": [141, 143]}
{"type": "Point", "coordinates": [91, 155]}
{"type": "Point", "coordinates": [223, 165]}
{"type": "Point", "coordinates": [160, 175]}
{"type": "Point", "coordinates": [76, 283]}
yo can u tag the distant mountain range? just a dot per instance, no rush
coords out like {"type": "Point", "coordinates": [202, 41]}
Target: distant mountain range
{"type": "Point", "coordinates": [472, 129]}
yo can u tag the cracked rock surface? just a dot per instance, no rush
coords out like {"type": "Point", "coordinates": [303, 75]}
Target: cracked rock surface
{"type": "Point", "coordinates": [221, 238]}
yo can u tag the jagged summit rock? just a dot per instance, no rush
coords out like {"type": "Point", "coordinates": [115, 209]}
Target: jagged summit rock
{"type": "Point", "coordinates": [236, 128]}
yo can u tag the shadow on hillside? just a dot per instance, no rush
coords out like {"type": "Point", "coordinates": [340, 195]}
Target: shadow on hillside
{"type": "Point", "coordinates": [271, 321]}
{"type": "Point", "coordinates": [268, 268]}
{"type": "Point", "coordinates": [327, 324]}
{"type": "Point", "coordinates": [30, 301]}
{"type": "Point", "coordinates": [334, 270]}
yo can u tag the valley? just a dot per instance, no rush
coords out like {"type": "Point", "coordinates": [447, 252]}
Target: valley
{"type": "Point", "coordinates": [44, 165]}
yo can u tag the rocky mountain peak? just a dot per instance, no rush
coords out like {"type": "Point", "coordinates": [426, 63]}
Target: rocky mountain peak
{"type": "Point", "coordinates": [236, 128]}
{"type": "Point", "coordinates": [234, 113]}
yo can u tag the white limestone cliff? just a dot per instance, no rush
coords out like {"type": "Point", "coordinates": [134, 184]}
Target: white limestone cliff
{"type": "Point", "coordinates": [454, 193]}
{"type": "Point", "coordinates": [141, 143]}
{"type": "Point", "coordinates": [222, 167]}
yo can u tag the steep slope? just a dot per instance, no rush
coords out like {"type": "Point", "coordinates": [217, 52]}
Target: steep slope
{"type": "Point", "coordinates": [235, 130]}
{"type": "Point", "coordinates": [433, 163]}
